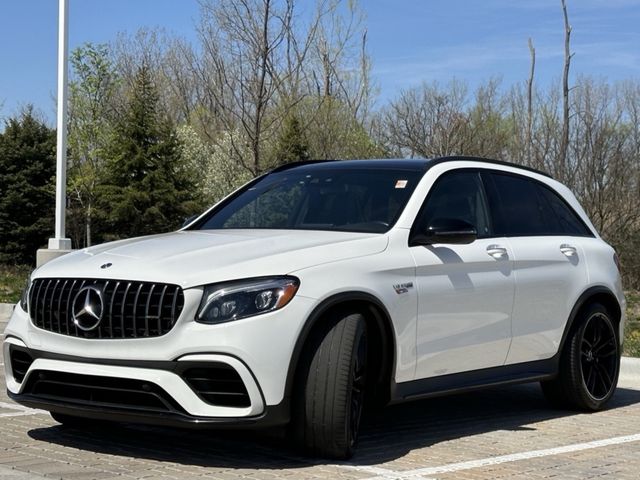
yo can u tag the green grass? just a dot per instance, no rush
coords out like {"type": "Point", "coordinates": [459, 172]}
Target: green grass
{"type": "Point", "coordinates": [12, 281]}
{"type": "Point", "coordinates": [632, 330]}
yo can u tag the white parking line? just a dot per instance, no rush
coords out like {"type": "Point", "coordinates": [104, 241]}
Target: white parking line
{"type": "Point", "coordinates": [17, 414]}
{"type": "Point", "coordinates": [379, 471]}
{"type": "Point", "coordinates": [420, 473]}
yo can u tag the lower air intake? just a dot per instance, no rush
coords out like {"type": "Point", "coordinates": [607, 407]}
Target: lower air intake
{"type": "Point", "coordinates": [218, 384]}
{"type": "Point", "coordinates": [97, 391]}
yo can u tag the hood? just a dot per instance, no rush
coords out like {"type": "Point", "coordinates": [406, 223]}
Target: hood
{"type": "Point", "coordinates": [191, 258]}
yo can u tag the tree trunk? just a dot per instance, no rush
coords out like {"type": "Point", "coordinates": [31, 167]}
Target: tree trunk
{"type": "Point", "coordinates": [88, 227]}
{"type": "Point", "coordinates": [530, 103]}
{"type": "Point", "coordinates": [261, 93]}
{"type": "Point", "coordinates": [564, 142]}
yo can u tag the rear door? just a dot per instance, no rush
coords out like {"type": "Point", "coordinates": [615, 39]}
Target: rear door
{"type": "Point", "coordinates": [548, 261]}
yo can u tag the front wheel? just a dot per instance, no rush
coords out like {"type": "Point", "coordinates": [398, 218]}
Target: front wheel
{"type": "Point", "coordinates": [589, 363]}
{"type": "Point", "coordinates": [332, 388]}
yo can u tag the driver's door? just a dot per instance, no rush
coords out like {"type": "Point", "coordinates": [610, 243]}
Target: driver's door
{"type": "Point", "coordinates": [465, 292]}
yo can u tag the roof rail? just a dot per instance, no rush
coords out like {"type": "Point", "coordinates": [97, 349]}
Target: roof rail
{"type": "Point", "coordinates": [452, 158]}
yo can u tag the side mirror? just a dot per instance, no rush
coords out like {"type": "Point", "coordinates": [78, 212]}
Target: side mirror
{"type": "Point", "coordinates": [446, 230]}
{"type": "Point", "coordinates": [187, 221]}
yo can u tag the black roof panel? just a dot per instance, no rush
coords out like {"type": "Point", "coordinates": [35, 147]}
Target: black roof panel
{"type": "Point", "coordinates": [414, 164]}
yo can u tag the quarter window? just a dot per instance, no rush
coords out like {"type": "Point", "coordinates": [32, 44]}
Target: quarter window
{"type": "Point", "coordinates": [568, 222]}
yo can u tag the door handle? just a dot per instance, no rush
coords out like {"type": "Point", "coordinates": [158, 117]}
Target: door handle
{"type": "Point", "coordinates": [568, 250]}
{"type": "Point", "coordinates": [496, 251]}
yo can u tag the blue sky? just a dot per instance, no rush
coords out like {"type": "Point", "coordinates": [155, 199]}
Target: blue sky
{"type": "Point", "coordinates": [410, 41]}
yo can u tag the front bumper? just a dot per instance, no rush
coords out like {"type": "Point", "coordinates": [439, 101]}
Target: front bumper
{"type": "Point", "coordinates": [151, 392]}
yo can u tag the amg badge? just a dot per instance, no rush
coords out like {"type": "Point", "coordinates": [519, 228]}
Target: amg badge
{"type": "Point", "coordinates": [403, 287]}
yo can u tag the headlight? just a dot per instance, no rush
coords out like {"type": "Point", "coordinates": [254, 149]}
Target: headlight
{"type": "Point", "coordinates": [24, 299]}
{"type": "Point", "coordinates": [225, 302]}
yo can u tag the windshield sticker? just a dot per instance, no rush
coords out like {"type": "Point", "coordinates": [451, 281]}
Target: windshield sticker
{"type": "Point", "coordinates": [401, 183]}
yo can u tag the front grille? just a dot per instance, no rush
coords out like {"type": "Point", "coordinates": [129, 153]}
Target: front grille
{"type": "Point", "coordinates": [129, 309]}
{"type": "Point", "coordinates": [20, 363]}
{"type": "Point", "coordinates": [218, 384]}
{"type": "Point", "coordinates": [122, 393]}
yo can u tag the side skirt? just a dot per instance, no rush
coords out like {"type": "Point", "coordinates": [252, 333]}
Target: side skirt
{"type": "Point", "coordinates": [474, 380]}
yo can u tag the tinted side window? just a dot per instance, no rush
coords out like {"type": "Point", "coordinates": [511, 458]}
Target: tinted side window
{"type": "Point", "coordinates": [456, 195]}
{"type": "Point", "coordinates": [516, 207]}
{"type": "Point", "coordinates": [567, 220]}
{"type": "Point", "coordinates": [523, 207]}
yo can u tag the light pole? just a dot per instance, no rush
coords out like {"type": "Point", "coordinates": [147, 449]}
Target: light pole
{"type": "Point", "coordinates": [60, 245]}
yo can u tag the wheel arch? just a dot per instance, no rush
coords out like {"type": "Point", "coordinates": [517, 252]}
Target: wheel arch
{"type": "Point", "coordinates": [378, 323]}
{"type": "Point", "coordinates": [595, 294]}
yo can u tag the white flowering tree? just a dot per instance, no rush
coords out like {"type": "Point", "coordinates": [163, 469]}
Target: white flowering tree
{"type": "Point", "coordinates": [218, 172]}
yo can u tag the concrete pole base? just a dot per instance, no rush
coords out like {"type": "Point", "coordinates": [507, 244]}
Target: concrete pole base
{"type": "Point", "coordinates": [45, 255]}
{"type": "Point", "coordinates": [59, 244]}
{"type": "Point", "coordinates": [57, 248]}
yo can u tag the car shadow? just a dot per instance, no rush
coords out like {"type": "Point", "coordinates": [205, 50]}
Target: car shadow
{"type": "Point", "coordinates": [387, 435]}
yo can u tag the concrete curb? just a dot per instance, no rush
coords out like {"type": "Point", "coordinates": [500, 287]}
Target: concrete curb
{"type": "Point", "coordinates": [630, 368]}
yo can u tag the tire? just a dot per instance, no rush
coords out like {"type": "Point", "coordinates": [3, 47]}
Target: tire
{"type": "Point", "coordinates": [589, 363]}
{"type": "Point", "coordinates": [331, 391]}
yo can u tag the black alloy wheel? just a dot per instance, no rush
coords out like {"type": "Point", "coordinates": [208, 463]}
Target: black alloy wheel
{"type": "Point", "coordinates": [598, 356]}
{"type": "Point", "coordinates": [358, 386]}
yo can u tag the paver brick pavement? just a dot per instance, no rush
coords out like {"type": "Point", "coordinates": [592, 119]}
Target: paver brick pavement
{"type": "Point", "coordinates": [401, 442]}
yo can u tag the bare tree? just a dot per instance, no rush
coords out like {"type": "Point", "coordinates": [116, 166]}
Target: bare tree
{"type": "Point", "coordinates": [428, 120]}
{"type": "Point", "coordinates": [178, 79]}
{"type": "Point", "coordinates": [564, 143]}
{"type": "Point", "coordinates": [342, 66]}
{"type": "Point", "coordinates": [243, 44]}
{"type": "Point", "coordinates": [487, 131]}
{"type": "Point", "coordinates": [260, 65]}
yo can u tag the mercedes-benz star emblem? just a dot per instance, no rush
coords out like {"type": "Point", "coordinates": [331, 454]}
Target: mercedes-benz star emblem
{"type": "Point", "coordinates": [87, 308]}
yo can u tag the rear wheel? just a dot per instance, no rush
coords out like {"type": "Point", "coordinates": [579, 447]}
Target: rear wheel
{"type": "Point", "coordinates": [589, 363]}
{"type": "Point", "coordinates": [331, 394]}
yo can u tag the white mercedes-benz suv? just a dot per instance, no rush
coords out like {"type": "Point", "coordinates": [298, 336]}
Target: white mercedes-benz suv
{"type": "Point", "coordinates": [321, 287]}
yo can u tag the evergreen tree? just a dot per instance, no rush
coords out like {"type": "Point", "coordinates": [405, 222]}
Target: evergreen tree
{"type": "Point", "coordinates": [291, 145]}
{"type": "Point", "coordinates": [27, 172]}
{"type": "Point", "coordinates": [146, 189]}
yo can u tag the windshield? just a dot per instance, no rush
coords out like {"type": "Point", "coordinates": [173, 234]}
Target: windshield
{"type": "Point", "coordinates": [355, 200]}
